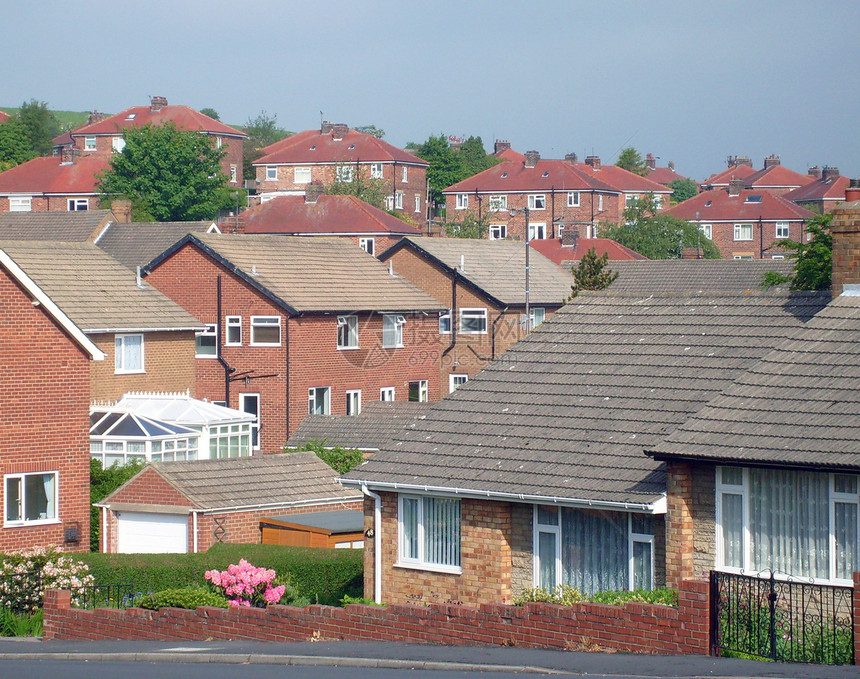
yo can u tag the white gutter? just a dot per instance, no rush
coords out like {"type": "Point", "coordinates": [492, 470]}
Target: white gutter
{"type": "Point", "coordinates": [275, 505]}
{"type": "Point", "coordinates": [96, 331]}
{"type": "Point", "coordinates": [194, 528]}
{"type": "Point", "coordinates": [377, 542]}
{"type": "Point", "coordinates": [644, 507]}
{"type": "Point", "coordinates": [104, 530]}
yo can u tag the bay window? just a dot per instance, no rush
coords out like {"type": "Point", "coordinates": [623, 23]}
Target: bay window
{"type": "Point", "coordinates": [429, 533]}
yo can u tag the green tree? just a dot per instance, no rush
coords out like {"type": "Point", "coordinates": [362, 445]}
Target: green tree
{"type": "Point", "coordinates": [211, 112]}
{"type": "Point", "coordinates": [813, 260]}
{"type": "Point", "coordinates": [445, 166]}
{"type": "Point", "coordinates": [591, 273]}
{"type": "Point", "coordinates": [468, 227]}
{"type": "Point", "coordinates": [15, 145]}
{"type": "Point", "coordinates": [102, 483]}
{"type": "Point", "coordinates": [338, 458]}
{"type": "Point", "coordinates": [630, 159]}
{"type": "Point", "coordinates": [474, 158]}
{"type": "Point", "coordinates": [168, 173]}
{"type": "Point", "coordinates": [372, 191]}
{"type": "Point", "coordinates": [657, 236]}
{"type": "Point", "coordinates": [41, 126]}
{"type": "Point", "coordinates": [682, 189]}
{"type": "Point", "coordinates": [373, 130]}
{"type": "Point", "coordinates": [262, 131]}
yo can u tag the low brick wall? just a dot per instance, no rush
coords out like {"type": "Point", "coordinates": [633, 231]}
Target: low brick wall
{"type": "Point", "coordinates": [635, 628]}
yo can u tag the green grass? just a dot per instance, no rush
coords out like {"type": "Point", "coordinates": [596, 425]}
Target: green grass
{"type": "Point", "coordinates": [26, 625]}
{"type": "Point", "coordinates": [68, 119]}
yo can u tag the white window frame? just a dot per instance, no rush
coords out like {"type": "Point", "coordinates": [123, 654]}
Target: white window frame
{"type": "Point", "coordinates": [537, 230]}
{"type": "Point", "coordinates": [498, 231]}
{"type": "Point", "coordinates": [658, 200]}
{"type": "Point", "coordinates": [302, 175]}
{"type": "Point", "coordinates": [782, 230]}
{"type": "Point", "coordinates": [387, 394]}
{"type": "Point", "coordinates": [537, 315]}
{"type": "Point", "coordinates": [22, 496]}
{"type": "Point", "coordinates": [271, 173]}
{"type": "Point", "coordinates": [423, 390]}
{"type": "Point", "coordinates": [347, 332]}
{"type": "Point", "coordinates": [740, 229]}
{"type": "Point", "coordinates": [120, 360]}
{"type": "Point", "coordinates": [476, 314]}
{"type": "Point", "coordinates": [537, 201]}
{"type": "Point", "coordinates": [261, 322]}
{"type": "Point", "coordinates": [573, 199]}
{"type": "Point", "coordinates": [210, 331]}
{"type": "Point", "coordinates": [255, 425]}
{"type": "Point", "coordinates": [462, 201]}
{"type": "Point", "coordinates": [219, 142]}
{"type": "Point", "coordinates": [445, 322]}
{"type": "Point", "coordinates": [234, 325]}
{"type": "Point", "coordinates": [234, 174]}
{"type": "Point", "coordinates": [20, 203]}
{"type": "Point", "coordinates": [392, 323]}
{"type": "Point", "coordinates": [368, 245]}
{"type": "Point", "coordinates": [353, 402]}
{"type": "Point", "coordinates": [456, 380]}
{"type": "Point", "coordinates": [707, 230]}
{"type": "Point", "coordinates": [632, 539]}
{"type": "Point", "coordinates": [345, 173]}
{"type": "Point", "coordinates": [600, 202]}
{"type": "Point", "coordinates": [497, 203]}
{"type": "Point", "coordinates": [537, 529]}
{"type": "Point", "coordinates": [376, 170]}
{"type": "Point", "coordinates": [117, 144]}
{"type": "Point", "coordinates": [630, 198]}
{"type": "Point", "coordinates": [314, 394]}
{"type": "Point", "coordinates": [417, 202]}
{"type": "Point", "coordinates": [404, 174]}
{"type": "Point", "coordinates": [90, 144]}
{"type": "Point", "coordinates": [420, 560]}
{"type": "Point", "coordinates": [78, 204]}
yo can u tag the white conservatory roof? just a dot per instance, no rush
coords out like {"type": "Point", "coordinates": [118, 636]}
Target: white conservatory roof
{"type": "Point", "coordinates": [181, 409]}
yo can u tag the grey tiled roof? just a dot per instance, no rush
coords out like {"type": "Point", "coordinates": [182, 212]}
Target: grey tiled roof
{"type": "Point", "coordinates": [799, 405]}
{"type": "Point", "coordinates": [687, 276]}
{"type": "Point", "coordinates": [261, 479]}
{"type": "Point", "coordinates": [79, 226]}
{"type": "Point", "coordinates": [372, 429]}
{"type": "Point", "coordinates": [135, 244]}
{"type": "Point", "coordinates": [498, 268]}
{"type": "Point", "coordinates": [568, 411]}
{"type": "Point", "coordinates": [338, 521]}
{"type": "Point", "coordinates": [316, 274]}
{"type": "Point", "coordinates": [94, 290]}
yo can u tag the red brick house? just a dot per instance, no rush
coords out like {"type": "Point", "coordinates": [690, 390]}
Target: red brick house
{"type": "Point", "coordinates": [822, 195]}
{"type": "Point", "coordinates": [776, 178]}
{"type": "Point", "coordinates": [337, 152]}
{"type": "Point", "coordinates": [319, 214]}
{"type": "Point", "coordinates": [739, 167]}
{"type": "Point", "coordinates": [482, 287]}
{"type": "Point", "coordinates": [744, 223]}
{"type": "Point", "coordinates": [102, 135]}
{"type": "Point", "coordinates": [559, 194]}
{"type": "Point", "coordinates": [301, 325]}
{"type": "Point", "coordinates": [46, 364]}
{"type": "Point", "coordinates": [183, 507]}
{"type": "Point", "coordinates": [570, 249]}
{"type": "Point", "coordinates": [661, 175]}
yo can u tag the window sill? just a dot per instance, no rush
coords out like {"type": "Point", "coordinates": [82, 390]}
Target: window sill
{"type": "Point", "coordinates": [253, 344]}
{"type": "Point", "coordinates": [24, 524]}
{"type": "Point", "coordinates": [392, 346]}
{"type": "Point", "coordinates": [348, 348]}
{"type": "Point", "coordinates": [129, 372]}
{"type": "Point", "coordinates": [210, 356]}
{"type": "Point", "coordinates": [452, 570]}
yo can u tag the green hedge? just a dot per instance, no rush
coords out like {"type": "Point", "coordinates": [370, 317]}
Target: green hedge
{"type": "Point", "coordinates": [323, 575]}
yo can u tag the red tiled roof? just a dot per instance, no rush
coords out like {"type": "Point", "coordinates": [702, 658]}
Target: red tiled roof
{"type": "Point", "coordinates": [552, 248]}
{"type": "Point", "coordinates": [513, 175]}
{"type": "Point", "coordinates": [777, 177]}
{"type": "Point", "coordinates": [663, 175]}
{"type": "Point", "coordinates": [622, 179]}
{"type": "Point", "coordinates": [311, 146]}
{"type": "Point", "coordinates": [4, 116]}
{"type": "Point", "coordinates": [49, 175]}
{"type": "Point", "coordinates": [733, 172]}
{"type": "Point", "coordinates": [184, 117]}
{"type": "Point", "coordinates": [833, 189]}
{"type": "Point", "coordinates": [510, 154]}
{"type": "Point", "coordinates": [329, 215]}
{"type": "Point", "coordinates": [718, 206]}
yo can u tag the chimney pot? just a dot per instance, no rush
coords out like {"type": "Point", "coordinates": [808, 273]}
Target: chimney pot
{"type": "Point", "coordinates": [312, 193]}
{"type": "Point", "coordinates": [650, 161]}
{"type": "Point", "coordinates": [532, 157]}
{"type": "Point", "coordinates": [571, 158]}
{"type": "Point", "coordinates": [95, 117]}
{"type": "Point", "coordinates": [594, 161]}
{"type": "Point", "coordinates": [829, 173]}
{"type": "Point", "coordinates": [121, 209]}
{"type": "Point", "coordinates": [157, 103]}
{"type": "Point", "coordinates": [771, 161]}
{"type": "Point", "coordinates": [338, 131]}
{"type": "Point", "coordinates": [501, 145]}
{"type": "Point", "coordinates": [734, 161]}
{"type": "Point", "coordinates": [814, 171]}
{"type": "Point", "coordinates": [736, 186]}
{"type": "Point", "coordinates": [326, 126]}
{"type": "Point", "coordinates": [852, 192]}
{"type": "Point", "coordinates": [69, 155]}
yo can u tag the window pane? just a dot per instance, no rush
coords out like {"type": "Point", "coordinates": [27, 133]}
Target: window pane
{"type": "Point", "coordinates": [643, 524]}
{"type": "Point", "coordinates": [546, 560]}
{"type": "Point", "coordinates": [733, 521]}
{"type": "Point", "coordinates": [847, 547]}
{"type": "Point", "coordinates": [441, 531]}
{"type": "Point", "coordinates": [843, 483]}
{"type": "Point", "coordinates": [594, 550]}
{"type": "Point", "coordinates": [547, 516]}
{"type": "Point", "coordinates": [38, 496]}
{"type": "Point", "coordinates": [409, 521]}
{"type": "Point", "coordinates": [642, 578]}
{"type": "Point", "coordinates": [13, 499]}
{"type": "Point", "coordinates": [732, 476]}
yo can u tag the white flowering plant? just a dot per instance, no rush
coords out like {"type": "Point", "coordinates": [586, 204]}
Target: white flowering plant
{"type": "Point", "coordinates": [24, 577]}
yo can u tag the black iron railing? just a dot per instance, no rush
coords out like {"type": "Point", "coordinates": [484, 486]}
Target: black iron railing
{"type": "Point", "coordinates": [105, 596]}
{"type": "Point", "coordinates": [781, 618]}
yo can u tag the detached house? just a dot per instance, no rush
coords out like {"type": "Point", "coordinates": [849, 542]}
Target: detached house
{"type": "Point", "coordinates": [336, 152]}
{"type": "Point", "coordinates": [555, 194]}
{"type": "Point", "coordinates": [46, 361]}
{"type": "Point", "coordinates": [482, 287]}
{"type": "Point", "coordinates": [296, 326]}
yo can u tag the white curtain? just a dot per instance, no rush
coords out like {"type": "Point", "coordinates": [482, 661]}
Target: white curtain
{"type": "Point", "coordinates": [594, 550]}
{"type": "Point", "coordinates": [48, 482]}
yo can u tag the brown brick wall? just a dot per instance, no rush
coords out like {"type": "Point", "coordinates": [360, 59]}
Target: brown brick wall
{"type": "Point", "coordinates": [168, 361]}
{"type": "Point", "coordinates": [690, 521]}
{"type": "Point", "coordinates": [845, 228]}
{"type": "Point", "coordinates": [522, 547]}
{"type": "Point", "coordinates": [51, 203]}
{"type": "Point", "coordinates": [45, 415]}
{"type": "Point", "coordinates": [633, 628]}
{"type": "Point", "coordinates": [723, 236]}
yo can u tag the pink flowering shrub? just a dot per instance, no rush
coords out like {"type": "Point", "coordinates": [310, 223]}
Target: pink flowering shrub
{"type": "Point", "coordinates": [24, 577]}
{"type": "Point", "coordinates": [246, 585]}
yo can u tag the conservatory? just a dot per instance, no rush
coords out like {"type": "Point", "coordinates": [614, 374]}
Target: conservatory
{"type": "Point", "coordinates": [160, 427]}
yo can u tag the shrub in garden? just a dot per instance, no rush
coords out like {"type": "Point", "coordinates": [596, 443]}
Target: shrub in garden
{"type": "Point", "coordinates": [566, 595]}
{"type": "Point", "coordinates": [25, 576]}
{"type": "Point", "coordinates": [246, 585]}
{"type": "Point", "coordinates": [189, 598]}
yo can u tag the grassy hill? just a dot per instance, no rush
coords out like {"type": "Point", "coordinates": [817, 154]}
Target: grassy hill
{"type": "Point", "coordinates": [68, 119]}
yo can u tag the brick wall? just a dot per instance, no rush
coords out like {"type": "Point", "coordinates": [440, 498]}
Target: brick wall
{"type": "Point", "coordinates": [168, 361]}
{"type": "Point", "coordinates": [44, 417]}
{"type": "Point", "coordinates": [522, 548]}
{"type": "Point", "coordinates": [723, 236]}
{"type": "Point", "coordinates": [690, 521]}
{"type": "Point", "coordinates": [633, 628]}
{"type": "Point", "coordinates": [845, 228]}
{"type": "Point", "coordinates": [52, 203]}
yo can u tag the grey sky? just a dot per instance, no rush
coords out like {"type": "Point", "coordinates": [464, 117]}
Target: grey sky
{"type": "Point", "coordinates": [688, 81]}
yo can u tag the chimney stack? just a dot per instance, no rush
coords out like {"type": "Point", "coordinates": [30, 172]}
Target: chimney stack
{"type": "Point", "coordinates": [852, 191]}
{"type": "Point", "coordinates": [326, 126]}
{"type": "Point", "coordinates": [121, 209]}
{"type": "Point", "coordinates": [532, 158]}
{"type": "Point", "coordinates": [829, 173]}
{"type": "Point", "coordinates": [594, 161]}
{"type": "Point", "coordinates": [312, 193]}
{"type": "Point", "coordinates": [569, 236]}
{"type": "Point", "coordinates": [650, 161]}
{"type": "Point", "coordinates": [338, 131]}
{"type": "Point", "coordinates": [736, 186]}
{"type": "Point", "coordinates": [771, 161]}
{"type": "Point", "coordinates": [845, 229]}
{"type": "Point", "coordinates": [734, 161]}
{"type": "Point", "coordinates": [69, 155]}
{"type": "Point", "coordinates": [571, 158]}
{"type": "Point", "coordinates": [671, 165]}
{"type": "Point", "coordinates": [814, 172]}
{"type": "Point", "coordinates": [501, 145]}
{"type": "Point", "coordinates": [157, 103]}
{"type": "Point", "coordinates": [95, 117]}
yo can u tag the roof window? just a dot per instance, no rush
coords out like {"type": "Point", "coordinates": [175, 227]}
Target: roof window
{"type": "Point", "coordinates": [754, 198]}
{"type": "Point", "coordinates": [313, 148]}
{"type": "Point", "coordinates": [708, 204]}
{"type": "Point", "coordinates": [351, 146]}
{"type": "Point", "coordinates": [546, 174]}
{"type": "Point", "coordinates": [504, 174]}
{"type": "Point", "coordinates": [131, 116]}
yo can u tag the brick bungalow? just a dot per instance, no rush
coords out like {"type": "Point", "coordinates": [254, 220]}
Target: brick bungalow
{"type": "Point", "coordinates": [533, 473]}
{"type": "Point", "coordinates": [46, 360]}
{"type": "Point", "coordinates": [300, 325]}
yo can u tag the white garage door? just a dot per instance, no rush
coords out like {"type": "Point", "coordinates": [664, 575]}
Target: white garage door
{"type": "Point", "coordinates": [148, 533]}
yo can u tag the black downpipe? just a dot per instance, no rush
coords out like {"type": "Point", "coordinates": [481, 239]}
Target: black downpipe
{"type": "Point", "coordinates": [287, 381]}
{"type": "Point", "coordinates": [453, 315]}
{"type": "Point", "coordinates": [552, 212]}
{"type": "Point", "coordinates": [218, 339]}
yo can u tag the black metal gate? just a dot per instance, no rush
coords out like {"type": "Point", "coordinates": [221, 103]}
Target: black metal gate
{"type": "Point", "coordinates": [781, 619]}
